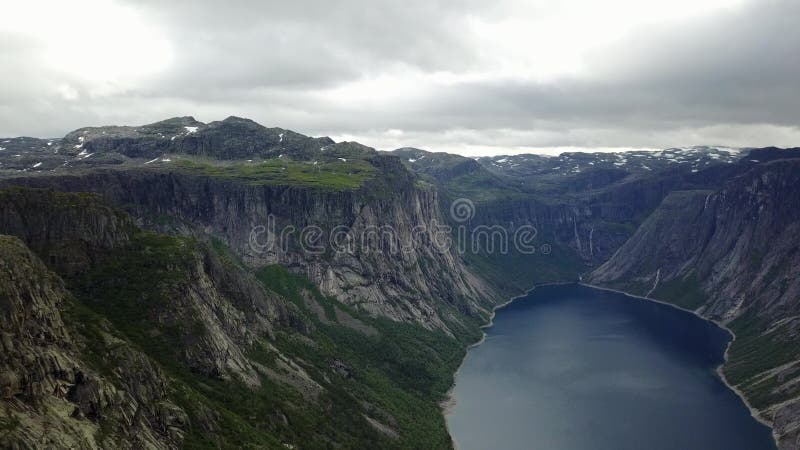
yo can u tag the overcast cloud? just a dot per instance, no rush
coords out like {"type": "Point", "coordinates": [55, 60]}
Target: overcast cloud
{"type": "Point", "coordinates": [471, 77]}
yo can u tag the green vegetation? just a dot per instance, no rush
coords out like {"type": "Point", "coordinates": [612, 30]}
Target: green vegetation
{"type": "Point", "coordinates": [482, 186]}
{"type": "Point", "coordinates": [517, 272]}
{"type": "Point", "coordinates": [329, 174]}
{"type": "Point", "coordinates": [132, 286]}
{"type": "Point", "coordinates": [24, 199]}
{"type": "Point", "coordinates": [8, 422]}
{"type": "Point", "coordinates": [404, 370]}
{"type": "Point", "coordinates": [396, 375]}
{"type": "Point", "coordinates": [684, 292]}
{"type": "Point", "coordinates": [756, 351]}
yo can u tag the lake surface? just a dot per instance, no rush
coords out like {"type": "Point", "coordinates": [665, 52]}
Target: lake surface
{"type": "Point", "coordinates": [574, 368]}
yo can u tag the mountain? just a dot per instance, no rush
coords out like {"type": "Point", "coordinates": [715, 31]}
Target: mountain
{"type": "Point", "coordinates": [712, 230]}
{"type": "Point", "coordinates": [157, 255]}
{"type": "Point", "coordinates": [119, 337]}
{"type": "Point", "coordinates": [732, 255]}
{"type": "Point", "coordinates": [193, 187]}
{"type": "Point", "coordinates": [192, 285]}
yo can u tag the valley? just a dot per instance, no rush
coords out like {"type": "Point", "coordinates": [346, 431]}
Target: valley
{"type": "Point", "coordinates": [137, 310]}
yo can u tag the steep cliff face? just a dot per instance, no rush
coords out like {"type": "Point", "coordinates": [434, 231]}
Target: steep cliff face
{"type": "Point", "coordinates": [384, 269]}
{"type": "Point", "coordinates": [585, 204]}
{"type": "Point", "coordinates": [355, 221]}
{"type": "Point", "coordinates": [733, 256]}
{"type": "Point", "coordinates": [160, 341]}
{"type": "Point", "coordinates": [51, 395]}
{"type": "Point", "coordinates": [68, 231]}
{"type": "Point", "coordinates": [83, 239]}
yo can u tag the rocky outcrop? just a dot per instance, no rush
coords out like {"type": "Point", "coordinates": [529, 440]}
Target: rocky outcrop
{"type": "Point", "coordinates": [232, 138]}
{"type": "Point", "coordinates": [68, 231]}
{"type": "Point", "coordinates": [68, 377]}
{"type": "Point", "coordinates": [51, 396]}
{"type": "Point", "coordinates": [80, 236]}
{"type": "Point", "coordinates": [733, 256]}
{"type": "Point", "coordinates": [157, 341]}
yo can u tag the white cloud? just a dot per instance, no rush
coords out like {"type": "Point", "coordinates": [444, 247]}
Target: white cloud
{"type": "Point", "coordinates": [68, 92]}
{"type": "Point", "coordinates": [467, 76]}
{"type": "Point", "coordinates": [103, 44]}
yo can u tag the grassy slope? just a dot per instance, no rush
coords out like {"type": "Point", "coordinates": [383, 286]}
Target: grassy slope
{"type": "Point", "coordinates": [754, 352]}
{"type": "Point", "coordinates": [515, 272]}
{"type": "Point", "coordinates": [335, 174]}
{"type": "Point", "coordinates": [402, 372]}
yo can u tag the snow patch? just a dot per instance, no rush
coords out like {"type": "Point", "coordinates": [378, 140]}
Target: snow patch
{"type": "Point", "coordinates": [37, 165]}
{"type": "Point", "coordinates": [342, 160]}
{"type": "Point", "coordinates": [190, 129]}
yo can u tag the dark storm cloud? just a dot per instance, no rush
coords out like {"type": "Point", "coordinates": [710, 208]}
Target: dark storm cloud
{"type": "Point", "coordinates": [728, 78]}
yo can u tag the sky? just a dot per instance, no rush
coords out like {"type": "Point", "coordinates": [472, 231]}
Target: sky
{"type": "Point", "coordinates": [473, 77]}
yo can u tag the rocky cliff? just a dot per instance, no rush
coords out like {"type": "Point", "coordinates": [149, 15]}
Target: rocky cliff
{"type": "Point", "coordinates": [233, 335]}
{"type": "Point", "coordinates": [52, 396]}
{"type": "Point", "coordinates": [356, 222]}
{"type": "Point", "coordinates": [145, 340]}
{"type": "Point", "coordinates": [732, 255]}
{"type": "Point", "coordinates": [384, 268]}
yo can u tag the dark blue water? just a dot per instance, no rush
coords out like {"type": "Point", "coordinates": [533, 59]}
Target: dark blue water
{"type": "Point", "coordinates": [575, 368]}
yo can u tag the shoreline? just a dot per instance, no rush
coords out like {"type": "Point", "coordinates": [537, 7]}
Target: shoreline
{"type": "Point", "coordinates": [754, 413]}
{"type": "Point", "coordinates": [449, 402]}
